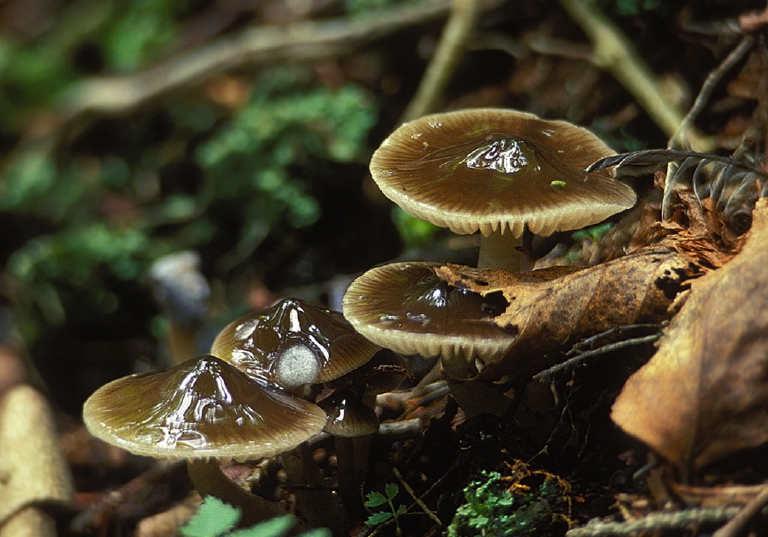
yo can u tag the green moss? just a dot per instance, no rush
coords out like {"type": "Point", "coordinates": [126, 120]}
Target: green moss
{"type": "Point", "coordinates": [494, 508]}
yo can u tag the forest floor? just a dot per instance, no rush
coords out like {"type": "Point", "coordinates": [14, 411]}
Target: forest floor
{"type": "Point", "coordinates": [635, 395]}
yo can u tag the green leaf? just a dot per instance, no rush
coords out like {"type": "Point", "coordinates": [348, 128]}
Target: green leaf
{"type": "Point", "coordinates": [213, 518]}
{"type": "Point", "coordinates": [401, 510]}
{"type": "Point", "coordinates": [375, 499]}
{"type": "Point", "coordinates": [275, 527]}
{"type": "Point", "coordinates": [317, 532]}
{"type": "Point", "coordinates": [391, 490]}
{"type": "Point", "coordinates": [378, 518]}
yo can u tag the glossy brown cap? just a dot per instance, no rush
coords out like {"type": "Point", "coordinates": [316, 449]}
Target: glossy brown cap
{"type": "Point", "coordinates": [406, 307]}
{"type": "Point", "coordinates": [498, 170]}
{"type": "Point", "coordinates": [202, 408]}
{"type": "Point", "coordinates": [348, 415]}
{"type": "Point", "coordinates": [293, 343]}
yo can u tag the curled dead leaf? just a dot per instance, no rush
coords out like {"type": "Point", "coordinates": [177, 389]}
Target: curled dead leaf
{"type": "Point", "coordinates": [704, 394]}
{"type": "Point", "coordinates": [555, 307]}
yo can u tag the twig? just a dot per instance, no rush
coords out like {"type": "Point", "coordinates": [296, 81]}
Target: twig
{"type": "Point", "coordinates": [301, 41]}
{"type": "Point", "coordinates": [613, 52]}
{"type": "Point", "coordinates": [736, 525]}
{"type": "Point", "coordinates": [447, 56]}
{"type": "Point", "coordinates": [576, 360]}
{"type": "Point", "coordinates": [578, 356]}
{"type": "Point", "coordinates": [713, 78]}
{"type": "Point", "coordinates": [416, 499]}
{"type": "Point", "coordinates": [655, 522]}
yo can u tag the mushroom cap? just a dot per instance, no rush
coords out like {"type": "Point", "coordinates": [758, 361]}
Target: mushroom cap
{"type": "Point", "coordinates": [497, 170]}
{"type": "Point", "coordinates": [202, 408]}
{"type": "Point", "coordinates": [406, 307]}
{"type": "Point", "coordinates": [293, 343]}
{"type": "Point", "coordinates": [348, 415]}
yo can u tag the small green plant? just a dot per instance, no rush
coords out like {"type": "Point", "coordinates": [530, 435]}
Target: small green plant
{"type": "Point", "coordinates": [495, 506]}
{"type": "Point", "coordinates": [215, 518]}
{"type": "Point", "coordinates": [377, 499]}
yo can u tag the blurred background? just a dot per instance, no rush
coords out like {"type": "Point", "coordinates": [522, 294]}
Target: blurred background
{"type": "Point", "coordinates": [241, 130]}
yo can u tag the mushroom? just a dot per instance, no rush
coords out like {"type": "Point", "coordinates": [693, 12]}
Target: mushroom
{"type": "Point", "coordinates": [182, 292]}
{"type": "Point", "coordinates": [498, 172]}
{"type": "Point", "coordinates": [295, 345]}
{"type": "Point", "coordinates": [406, 307]}
{"type": "Point", "coordinates": [292, 344]}
{"type": "Point", "coordinates": [203, 410]}
{"type": "Point", "coordinates": [352, 423]}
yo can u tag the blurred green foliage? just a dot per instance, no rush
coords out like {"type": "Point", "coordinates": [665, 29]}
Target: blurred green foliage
{"type": "Point", "coordinates": [104, 37]}
{"type": "Point", "coordinates": [626, 8]}
{"type": "Point", "coordinates": [362, 7]}
{"type": "Point", "coordinates": [286, 128]}
{"type": "Point", "coordinates": [414, 232]}
{"type": "Point", "coordinates": [102, 214]}
{"type": "Point", "coordinates": [139, 31]}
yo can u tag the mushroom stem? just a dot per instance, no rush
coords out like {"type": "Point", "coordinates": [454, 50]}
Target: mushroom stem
{"type": "Point", "coordinates": [209, 480]}
{"type": "Point", "coordinates": [352, 454]}
{"type": "Point", "coordinates": [500, 251]}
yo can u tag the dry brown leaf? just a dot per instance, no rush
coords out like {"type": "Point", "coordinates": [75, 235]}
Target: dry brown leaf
{"type": "Point", "coordinates": [704, 394]}
{"type": "Point", "coordinates": [557, 306]}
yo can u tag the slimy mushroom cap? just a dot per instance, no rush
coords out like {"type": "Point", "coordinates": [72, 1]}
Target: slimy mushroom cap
{"type": "Point", "coordinates": [498, 170]}
{"type": "Point", "coordinates": [406, 307]}
{"type": "Point", "coordinates": [202, 408]}
{"type": "Point", "coordinates": [293, 343]}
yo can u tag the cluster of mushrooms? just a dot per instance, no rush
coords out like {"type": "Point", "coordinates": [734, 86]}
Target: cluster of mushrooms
{"type": "Point", "coordinates": [252, 397]}
{"type": "Point", "coordinates": [499, 172]}
{"type": "Point", "coordinates": [495, 171]}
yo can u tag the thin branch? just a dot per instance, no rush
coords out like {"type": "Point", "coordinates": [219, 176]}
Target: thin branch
{"type": "Point", "coordinates": [713, 78]}
{"type": "Point", "coordinates": [416, 499]}
{"type": "Point", "coordinates": [579, 352]}
{"type": "Point", "coordinates": [655, 522]}
{"type": "Point", "coordinates": [737, 524]}
{"type": "Point", "coordinates": [449, 52]}
{"type": "Point", "coordinates": [303, 41]}
{"type": "Point", "coordinates": [572, 363]}
{"type": "Point", "coordinates": [613, 52]}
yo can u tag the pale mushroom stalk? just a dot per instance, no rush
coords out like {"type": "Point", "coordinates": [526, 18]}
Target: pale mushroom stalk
{"type": "Point", "coordinates": [500, 251]}
{"type": "Point", "coordinates": [209, 480]}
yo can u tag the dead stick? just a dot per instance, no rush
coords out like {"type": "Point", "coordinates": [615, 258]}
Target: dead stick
{"type": "Point", "coordinates": [613, 52]}
{"type": "Point", "coordinates": [449, 52]}
{"type": "Point", "coordinates": [737, 524]}
{"type": "Point", "coordinates": [302, 41]}
{"type": "Point", "coordinates": [713, 78]}
{"type": "Point", "coordinates": [654, 522]}
{"type": "Point", "coordinates": [416, 499]}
